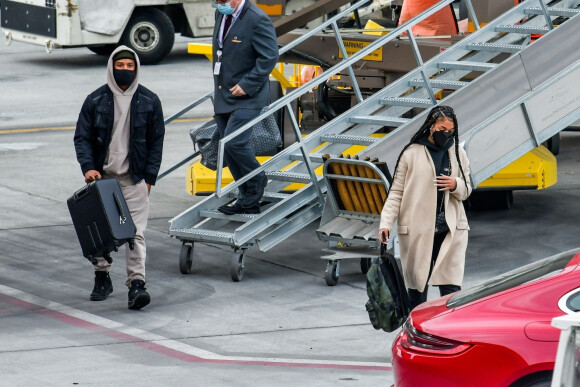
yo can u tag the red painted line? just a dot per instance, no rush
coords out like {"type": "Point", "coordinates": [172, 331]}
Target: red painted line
{"type": "Point", "coordinates": [163, 350]}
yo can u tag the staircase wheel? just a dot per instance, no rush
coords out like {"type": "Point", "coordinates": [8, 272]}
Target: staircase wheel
{"type": "Point", "coordinates": [237, 270]}
{"type": "Point", "coordinates": [186, 258]}
{"type": "Point", "coordinates": [332, 273]}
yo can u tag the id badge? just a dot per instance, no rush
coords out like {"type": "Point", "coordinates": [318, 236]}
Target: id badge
{"type": "Point", "coordinates": [217, 68]}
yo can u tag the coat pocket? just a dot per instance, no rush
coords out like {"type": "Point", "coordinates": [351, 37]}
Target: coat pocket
{"type": "Point", "coordinates": [402, 230]}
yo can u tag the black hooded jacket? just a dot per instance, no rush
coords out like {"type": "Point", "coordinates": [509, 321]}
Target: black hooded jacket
{"type": "Point", "coordinates": [95, 126]}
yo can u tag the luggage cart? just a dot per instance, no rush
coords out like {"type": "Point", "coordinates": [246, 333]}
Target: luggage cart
{"type": "Point", "coordinates": [353, 234]}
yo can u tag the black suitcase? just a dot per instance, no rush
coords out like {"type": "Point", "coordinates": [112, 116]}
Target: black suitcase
{"type": "Point", "coordinates": [101, 218]}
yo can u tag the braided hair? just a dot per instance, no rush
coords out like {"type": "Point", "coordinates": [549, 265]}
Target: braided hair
{"type": "Point", "coordinates": [437, 113]}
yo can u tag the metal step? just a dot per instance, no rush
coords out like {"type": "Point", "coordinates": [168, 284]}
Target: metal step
{"type": "Point", "coordinates": [378, 120]}
{"type": "Point", "coordinates": [203, 234]}
{"type": "Point", "coordinates": [289, 226]}
{"type": "Point", "coordinates": [290, 177]}
{"type": "Point", "coordinates": [553, 11]}
{"type": "Point", "coordinates": [493, 47]}
{"type": "Point", "coordinates": [268, 196]}
{"type": "Point", "coordinates": [408, 102]}
{"type": "Point", "coordinates": [466, 65]}
{"type": "Point", "coordinates": [348, 139]}
{"type": "Point", "coordinates": [215, 214]}
{"type": "Point", "coordinates": [439, 84]}
{"type": "Point", "coordinates": [523, 29]}
{"type": "Point", "coordinates": [314, 157]}
{"type": "Point", "coordinates": [279, 220]}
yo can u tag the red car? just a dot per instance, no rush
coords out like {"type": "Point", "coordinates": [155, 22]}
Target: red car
{"type": "Point", "coordinates": [494, 334]}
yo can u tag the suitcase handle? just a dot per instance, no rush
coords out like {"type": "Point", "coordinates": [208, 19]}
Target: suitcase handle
{"type": "Point", "coordinates": [81, 192]}
{"type": "Point", "coordinates": [120, 206]}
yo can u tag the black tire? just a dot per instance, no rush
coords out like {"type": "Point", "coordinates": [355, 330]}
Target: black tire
{"type": "Point", "coordinates": [365, 265]}
{"type": "Point", "coordinates": [237, 269]}
{"type": "Point", "coordinates": [539, 379]}
{"type": "Point", "coordinates": [491, 200]}
{"type": "Point", "coordinates": [553, 144]}
{"type": "Point", "coordinates": [105, 50]}
{"type": "Point", "coordinates": [186, 259]}
{"type": "Point", "coordinates": [332, 273]}
{"type": "Point", "coordinates": [150, 34]}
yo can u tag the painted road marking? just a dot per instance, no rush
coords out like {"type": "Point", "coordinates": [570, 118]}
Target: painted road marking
{"type": "Point", "coordinates": [57, 128]}
{"type": "Point", "coordinates": [159, 344]}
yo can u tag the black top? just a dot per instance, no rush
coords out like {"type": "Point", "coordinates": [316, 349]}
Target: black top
{"type": "Point", "coordinates": [440, 158]}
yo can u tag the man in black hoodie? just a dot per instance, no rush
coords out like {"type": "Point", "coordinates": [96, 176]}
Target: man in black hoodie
{"type": "Point", "coordinates": [119, 135]}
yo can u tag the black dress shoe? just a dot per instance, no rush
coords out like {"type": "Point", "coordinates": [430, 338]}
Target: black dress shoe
{"type": "Point", "coordinates": [237, 209]}
{"type": "Point", "coordinates": [230, 210]}
{"type": "Point", "coordinates": [250, 210]}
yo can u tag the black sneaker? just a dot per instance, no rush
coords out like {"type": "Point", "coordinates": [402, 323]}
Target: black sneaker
{"type": "Point", "coordinates": [138, 296]}
{"type": "Point", "coordinates": [103, 286]}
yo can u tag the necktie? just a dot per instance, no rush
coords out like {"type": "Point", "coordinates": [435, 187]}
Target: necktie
{"type": "Point", "coordinates": [227, 24]}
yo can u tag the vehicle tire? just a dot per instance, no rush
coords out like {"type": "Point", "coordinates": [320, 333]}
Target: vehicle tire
{"type": "Point", "coordinates": [540, 379]}
{"type": "Point", "coordinates": [553, 144]}
{"type": "Point", "coordinates": [491, 200]}
{"type": "Point", "coordinates": [104, 50]}
{"type": "Point", "coordinates": [150, 34]}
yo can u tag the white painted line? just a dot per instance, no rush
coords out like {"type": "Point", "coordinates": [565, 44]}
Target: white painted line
{"type": "Point", "coordinates": [165, 345]}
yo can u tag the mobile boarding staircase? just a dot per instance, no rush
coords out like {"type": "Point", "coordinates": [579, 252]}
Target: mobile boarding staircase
{"type": "Point", "coordinates": [522, 95]}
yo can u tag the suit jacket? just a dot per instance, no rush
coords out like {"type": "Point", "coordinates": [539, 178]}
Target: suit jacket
{"type": "Point", "coordinates": [249, 53]}
{"type": "Point", "coordinates": [413, 201]}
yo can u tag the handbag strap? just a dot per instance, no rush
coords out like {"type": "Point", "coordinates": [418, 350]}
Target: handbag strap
{"type": "Point", "coordinates": [443, 196]}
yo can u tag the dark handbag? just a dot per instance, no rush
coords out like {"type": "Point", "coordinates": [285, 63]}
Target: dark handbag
{"type": "Point", "coordinates": [440, 223]}
{"type": "Point", "coordinates": [265, 140]}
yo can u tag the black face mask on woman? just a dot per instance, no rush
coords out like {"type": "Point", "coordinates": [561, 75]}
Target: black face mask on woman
{"type": "Point", "coordinates": [442, 138]}
{"type": "Point", "coordinates": [123, 77]}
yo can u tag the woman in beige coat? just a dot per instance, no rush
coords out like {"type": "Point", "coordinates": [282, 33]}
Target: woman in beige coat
{"type": "Point", "coordinates": [431, 176]}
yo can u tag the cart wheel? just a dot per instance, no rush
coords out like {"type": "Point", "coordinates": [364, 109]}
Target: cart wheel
{"type": "Point", "coordinates": [186, 258]}
{"type": "Point", "coordinates": [332, 273]}
{"type": "Point", "coordinates": [237, 271]}
{"type": "Point", "coordinates": [365, 264]}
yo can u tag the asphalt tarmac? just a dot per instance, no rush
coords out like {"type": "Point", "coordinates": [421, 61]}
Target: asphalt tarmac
{"type": "Point", "coordinates": [282, 325]}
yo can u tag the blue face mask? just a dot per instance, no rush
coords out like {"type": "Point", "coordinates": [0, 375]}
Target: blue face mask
{"type": "Point", "coordinates": [225, 8]}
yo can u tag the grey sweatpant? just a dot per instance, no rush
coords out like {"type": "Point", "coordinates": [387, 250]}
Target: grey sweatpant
{"type": "Point", "coordinates": [137, 197]}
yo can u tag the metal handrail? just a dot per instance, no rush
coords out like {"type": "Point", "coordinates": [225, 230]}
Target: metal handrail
{"type": "Point", "coordinates": [199, 101]}
{"type": "Point", "coordinates": [347, 62]}
{"type": "Point", "coordinates": [172, 118]}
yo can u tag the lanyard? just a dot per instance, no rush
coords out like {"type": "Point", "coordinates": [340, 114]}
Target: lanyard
{"type": "Point", "coordinates": [221, 33]}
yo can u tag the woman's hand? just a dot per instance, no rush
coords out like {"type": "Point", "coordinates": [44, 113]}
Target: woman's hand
{"type": "Point", "coordinates": [383, 235]}
{"type": "Point", "coordinates": [446, 183]}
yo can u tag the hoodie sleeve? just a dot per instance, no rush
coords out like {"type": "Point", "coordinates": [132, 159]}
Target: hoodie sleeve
{"type": "Point", "coordinates": [156, 134]}
{"type": "Point", "coordinates": [83, 137]}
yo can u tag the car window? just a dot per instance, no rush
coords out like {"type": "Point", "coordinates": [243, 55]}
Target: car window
{"type": "Point", "coordinates": [531, 272]}
{"type": "Point", "coordinates": [573, 303]}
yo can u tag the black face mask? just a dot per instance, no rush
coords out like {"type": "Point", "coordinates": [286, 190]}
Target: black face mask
{"type": "Point", "coordinates": [123, 77]}
{"type": "Point", "coordinates": [442, 138]}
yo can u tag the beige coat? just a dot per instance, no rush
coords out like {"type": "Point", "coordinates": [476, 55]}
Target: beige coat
{"type": "Point", "coordinates": [412, 200]}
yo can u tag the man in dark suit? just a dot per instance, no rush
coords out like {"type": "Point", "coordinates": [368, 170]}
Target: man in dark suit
{"type": "Point", "coordinates": [245, 51]}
